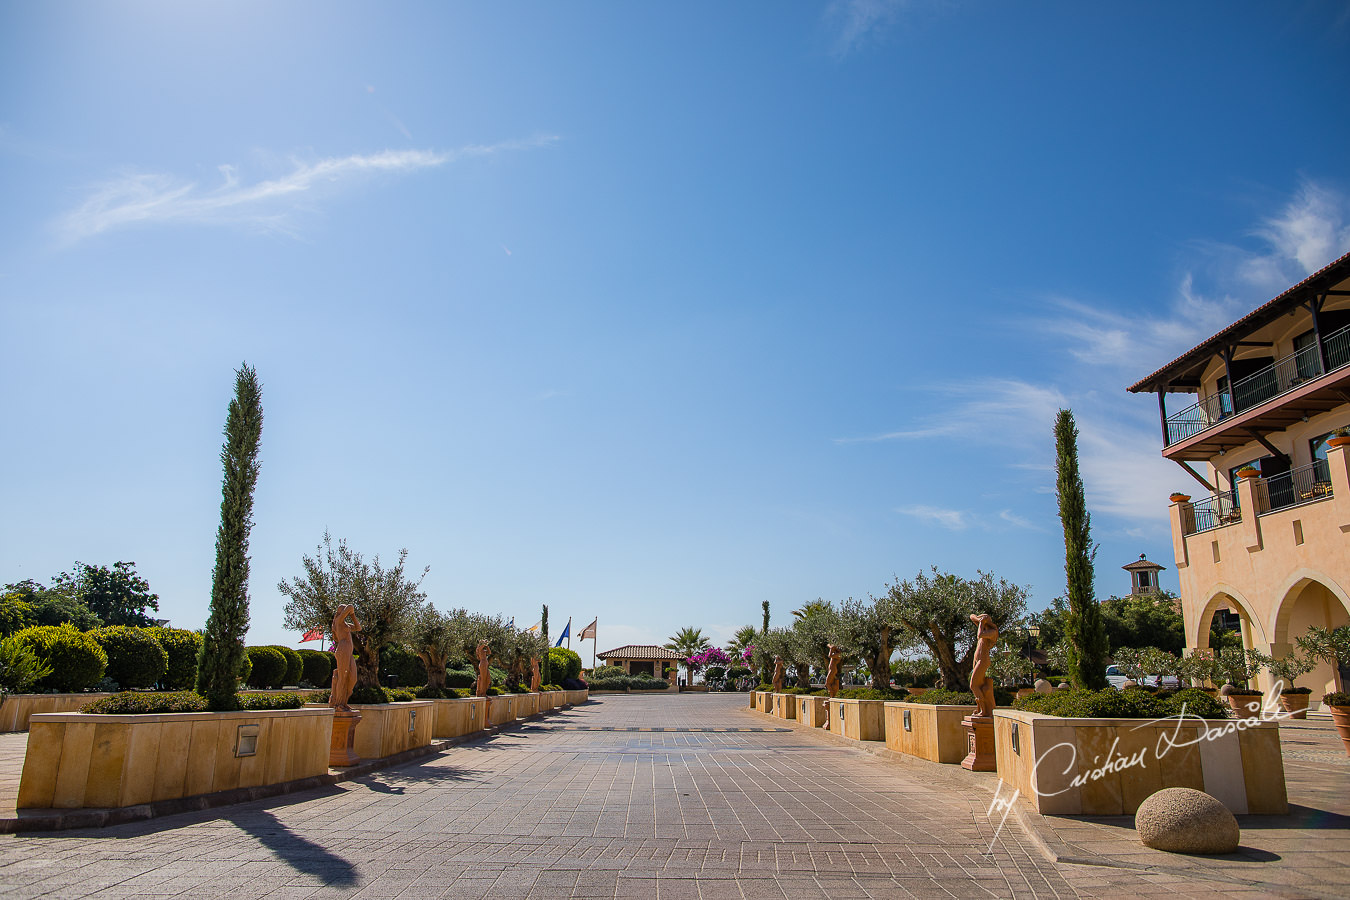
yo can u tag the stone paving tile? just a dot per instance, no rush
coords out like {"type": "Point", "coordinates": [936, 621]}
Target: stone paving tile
{"type": "Point", "coordinates": [559, 808]}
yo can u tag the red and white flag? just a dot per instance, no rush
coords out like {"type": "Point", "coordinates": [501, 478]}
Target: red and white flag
{"type": "Point", "coordinates": [314, 635]}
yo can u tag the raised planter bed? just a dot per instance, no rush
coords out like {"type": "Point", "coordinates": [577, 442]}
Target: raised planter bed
{"type": "Point", "coordinates": [502, 709]}
{"type": "Point", "coordinates": [18, 708]}
{"type": "Point", "coordinates": [457, 716]}
{"type": "Point", "coordinates": [1069, 767]}
{"type": "Point", "coordinates": [811, 711]}
{"type": "Point", "coordinates": [83, 761]}
{"type": "Point", "coordinates": [575, 697]}
{"type": "Point", "coordinates": [784, 706]}
{"type": "Point", "coordinates": [927, 730]}
{"type": "Point", "coordinates": [389, 728]}
{"type": "Point", "coordinates": [861, 720]}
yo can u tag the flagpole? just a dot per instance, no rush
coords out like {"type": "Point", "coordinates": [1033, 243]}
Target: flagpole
{"type": "Point", "coordinates": [569, 632]}
{"type": "Point", "coordinates": [594, 640]}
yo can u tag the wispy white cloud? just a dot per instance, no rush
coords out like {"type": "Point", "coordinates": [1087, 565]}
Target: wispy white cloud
{"type": "Point", "coordinates": [961, 519]}
{"type": "Point", "coordinates": [856, 23]}
{"type": "Point", "coordinates": [976, 409]}
{"type": "Point", "coordinates": [267, 205]}
{"type": "Point", "coordinates": [1308, 233]}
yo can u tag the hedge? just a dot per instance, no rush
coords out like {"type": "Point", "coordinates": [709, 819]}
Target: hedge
{"type": "Point", "coordinates": [128, 703]}
{"type": "Point", "coordinates": [76, 659]}
{"type": "Point", "coordinates": [365, 693]}
{"type": "Point", "coordinates": [271, 701]}
{"type": "Point", "coordinates": [135, 658]}
{"type": "Point", "coordinates": [295, 665]}
{"type": "Point", "coordinates": [1110, 703]}
{"type": "Point", "coordinates": [564, 664]}
{"type": "Point", "coordinates": [269, 667]}
{"type": "Point", "coordinates": [317, 666]}
{"type": "Point", "coordinates": [183, 648]}
{"type": "Point", "coordinates": [458, 678]}
{"type": "Point", "coordinates": [867, 693]}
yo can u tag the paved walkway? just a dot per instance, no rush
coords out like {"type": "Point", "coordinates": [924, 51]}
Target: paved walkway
{"type": "Point", "coordinates": [722, 803]}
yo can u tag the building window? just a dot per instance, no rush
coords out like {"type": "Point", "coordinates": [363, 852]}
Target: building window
{"type": "Point", "coordinates": [1306, 360]}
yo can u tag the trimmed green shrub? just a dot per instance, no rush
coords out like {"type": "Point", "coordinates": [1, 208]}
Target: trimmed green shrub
{"type": "Point", "coordinates": [494, 691]}
{"type": "Point", "coordinates": [135, 658]}
{"type": "Point", "coordinates": [603, 672]}
{"type": "Point", "coordinates": [940, 697]}
{"type": "Point", "coordinates": [763, 686]}
{"type": "Point", "coordinates": [295, 665]}
{"type": "Point", "coordinates": [428, 692]}
{"type": "Point", "coordinates": [245, 668]}
{"type": "Point", "coordinates": [495, 675]}
{"type": "Point", "coordinates": [365, 693]}
{"type": "Point", "coordinates": [460, 678]}
{"type": "Point", "coordinates": [317, 696]}
{"type": "Point", "coordinates": [549, 687]}
{"type": "Point", "coordinates": [128, 703]}
{"type": "Point", "coordinates": [183, 648]}
{"type": "Point", "coordinates": [865, 693]}
{"type": "Point", "coordinates": [564, 664]}
{"type": "Point", "coordinates": [737, 672]}
{"type": "Point", "coordinates": [400, 661]}
{"type": "Point", "coordinates": [399, 695]}
{"type": "Point", "coordinates": [271, 701]}
{"type": "Point", "coordinates": [76, 660]}
{"type": "Point", "coordinates": [1110, 703]}
{"type": "Point", "coordinates": [269, 667]}
{"type": "Point", "coordinates": [317, 666]}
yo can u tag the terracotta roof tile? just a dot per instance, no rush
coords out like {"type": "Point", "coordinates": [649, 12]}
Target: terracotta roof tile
{"type": "Point", "coordinates": [639, 651]}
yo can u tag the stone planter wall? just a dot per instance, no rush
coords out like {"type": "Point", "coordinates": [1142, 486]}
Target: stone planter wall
{"type": "Point", "coordinates": [527, 705]}
{"type": "Point", "coordinates": [17, 709]}
{"type": "Point", "coordinates": [389, 728]}
{"type": "Point", "coordinates": [935, 732]}
{"type": "Point", "coordinates": [861, 720]}
{"type": "Point", "coordinates": [575, 697]}
{"type": "Point", "coordinates": [784, 706]}
{"type": "Point", "coordinates": [501, 709]}
{"type": "Point", "coordinates": [1241, 768]}
{"type": "Point", "coordinates": [811, 711]}
{"type": "Point", "coordinates": [79, 760]}
{"type": "Point", "coordinates": [457, 716]}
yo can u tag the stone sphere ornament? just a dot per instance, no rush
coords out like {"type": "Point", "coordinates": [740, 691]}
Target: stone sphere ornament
{"type": "Point", "coordinates": [1184, 820]}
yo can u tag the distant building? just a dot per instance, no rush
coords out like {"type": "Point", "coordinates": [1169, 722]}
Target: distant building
{"type": "Point", "coordinates": [1143, 575]}
{"type": "Point", "coordinates": [642, 659]}
{"type": "Point", "coordinates": [1269, 537]}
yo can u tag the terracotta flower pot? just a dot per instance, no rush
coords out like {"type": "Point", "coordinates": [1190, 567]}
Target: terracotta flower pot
{"type": "Point", "coordinates": [1340, 716]}
{"type": "Point", "coordinates": [1249, 472]}
{"type": "Point", "coordinates": [1338, 441]}
{"type": "Point", "coordinates": [1245, 705]}
{"type": "Point", "coordinates": [1180, 498]}
{"type": "Point", "coordinates": [1296, 704]}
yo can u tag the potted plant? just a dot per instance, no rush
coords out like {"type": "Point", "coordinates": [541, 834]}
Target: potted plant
{"type": "Point", "coordinates": [1238, 667]}
{"type": "Point", "coordinates": [1285, 671]}
{"type": "Point", "coordinates": [1178, 497]}
{"type": "Point", "coordinates": [1339, 437]}
{"type": "Point", "coordinates": [1332, 645]}
{"type": "Point", "coordinates": [1200, 666]}
{"type": "Point", "coordinates": [1249, 472]}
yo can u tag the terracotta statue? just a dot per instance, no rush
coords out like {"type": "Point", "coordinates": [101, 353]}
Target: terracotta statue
{"type": "Point", "coordinates": [344, 674]}
{"type": "Point", "coordinates": [536, 680]}
{"type": "Point", "coordinates": [981, 685]}
{"type": "Point", "coordinates": [484, 678]}
{"type": "Point", "coordinates": [832, 675]}
{"type": "Point", "coordinates": [777, 674]}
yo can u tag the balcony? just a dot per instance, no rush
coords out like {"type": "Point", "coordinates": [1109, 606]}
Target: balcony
{"type": "Point", "coordinates": [1301, 384]}
{"type": "Point", "coordinates": [1306, 484]}
{"type": "Point", "coordinates": [1206, 515]}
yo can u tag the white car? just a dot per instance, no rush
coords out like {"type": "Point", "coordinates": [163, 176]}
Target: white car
{"type": "Point", "coordinates": [1117, 679]}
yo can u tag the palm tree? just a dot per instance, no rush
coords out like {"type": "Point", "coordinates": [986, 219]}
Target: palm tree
{"type": "Point", "coordinates": [744, 637]}
{"type": "Point", "coordinates": [815, 607]}
{"type": "Point", "coordinates": [686, 642]}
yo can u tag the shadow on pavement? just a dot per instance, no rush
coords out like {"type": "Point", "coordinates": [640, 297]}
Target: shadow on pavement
{"type": "Point", "coordinates": [300, 854]}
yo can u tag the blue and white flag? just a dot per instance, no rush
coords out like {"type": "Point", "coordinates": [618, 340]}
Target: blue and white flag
{"type": "Point", "coordinates": [566, 632]}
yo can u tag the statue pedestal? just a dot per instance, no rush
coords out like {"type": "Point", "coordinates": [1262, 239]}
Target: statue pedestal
{"type": "Point", "coordinates": [340, 752]}
{"type": "Point", "coordinates": [980, 742]}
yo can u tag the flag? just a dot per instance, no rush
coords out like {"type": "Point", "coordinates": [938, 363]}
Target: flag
{"type": "Point", "coordinates": [536, 626]}
{"type": "Point", "coordinates": [512, 623]}
{"type": "Point", "coordinates": [312, 635]}
{"type": "Point", "coordinates": [589, 630]}
{"type": "Point", "coordinates": [565, 633]}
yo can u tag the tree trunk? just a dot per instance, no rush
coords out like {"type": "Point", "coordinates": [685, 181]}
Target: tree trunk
{"type": "Point", "coordinates": [367, 661]}
{"type": "Point", "coordinates": [947, 665]}
{"type": "Point", "coordinates": [434, 661]}
{"type": "Point", "coordinates": [804, 677]}
{"type": "Point", "coordinates": [881, 663]}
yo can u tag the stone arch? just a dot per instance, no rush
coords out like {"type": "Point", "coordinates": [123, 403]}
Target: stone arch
{"type": "Point", "coordinates": [1289, 595]}
{"type": "Point", "coordinates": [1224, 595]}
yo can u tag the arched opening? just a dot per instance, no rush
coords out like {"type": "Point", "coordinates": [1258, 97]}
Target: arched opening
{"type": "Point", "coordinates": [1253, 635]}
{"type": "Point", "coordinates": [1310, 602]}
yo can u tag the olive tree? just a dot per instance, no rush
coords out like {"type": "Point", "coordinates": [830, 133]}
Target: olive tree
{"type": "Point", "coordinates": [811, 636]}
{"type": "Point", "coordinates": [387, 601]}
{"type": "Point", "coordinates": [864, 629]}
{"type": "Point", "coordinates": [438, 637]}
{"type": "Point", "coordinates": [935, 608]}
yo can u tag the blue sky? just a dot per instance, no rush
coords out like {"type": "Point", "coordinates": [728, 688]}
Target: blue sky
{"type": "Point", "coordinates": [647, 313]}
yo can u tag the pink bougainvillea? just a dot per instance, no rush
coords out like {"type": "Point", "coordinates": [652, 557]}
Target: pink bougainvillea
{"type": "Point", "coordinates": [714, 656]}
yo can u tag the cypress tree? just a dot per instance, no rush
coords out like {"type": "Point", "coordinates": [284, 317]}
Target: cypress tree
{"type": "Point", "coordinates": [1084, 630]}
{"type": "Point", "coordinates": [222, 650]}
{"type": "Point", "coordinates": [544, 671]}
